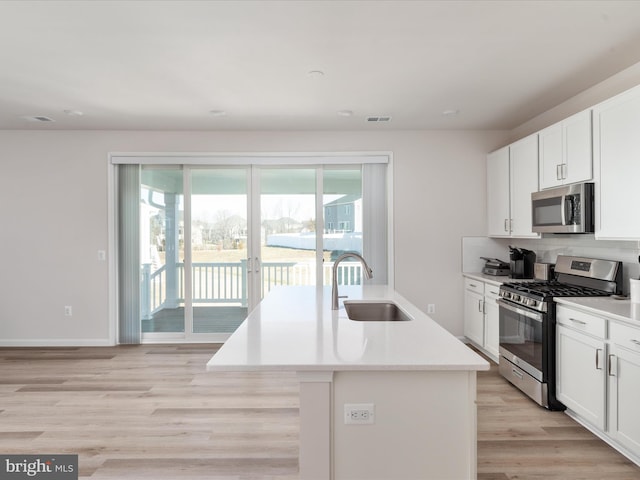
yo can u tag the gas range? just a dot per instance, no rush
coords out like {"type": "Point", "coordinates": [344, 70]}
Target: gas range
{"type": "Point", "coordinates": [527, 321]}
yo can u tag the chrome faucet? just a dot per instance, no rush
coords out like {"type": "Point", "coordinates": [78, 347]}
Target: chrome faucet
{"type": "Point", "coordinates": [368, 273]}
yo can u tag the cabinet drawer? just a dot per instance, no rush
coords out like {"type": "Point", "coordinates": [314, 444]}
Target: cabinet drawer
{"type": "Point", "coordinates": [474, 285]}
{"type": "Point", "coordinates": [581, 321]}
{"type": "Point", "coordinates": [625, 336]}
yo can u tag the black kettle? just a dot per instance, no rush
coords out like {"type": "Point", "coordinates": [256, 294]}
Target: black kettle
{"type": "Point", "coordinates": [522, 261]}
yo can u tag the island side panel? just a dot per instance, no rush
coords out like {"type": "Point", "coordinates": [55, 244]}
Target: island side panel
{"type": "Point", "coordinates": [315, 425]}
{"type": "Point", "coordinates": [425, 425]}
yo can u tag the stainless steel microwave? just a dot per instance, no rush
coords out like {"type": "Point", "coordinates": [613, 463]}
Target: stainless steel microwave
{"type": "Point", "coordinates": [566, 209]}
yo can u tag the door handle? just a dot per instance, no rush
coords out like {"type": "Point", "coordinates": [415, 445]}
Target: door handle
{"type": "Point", "coordinates": [257, 270]}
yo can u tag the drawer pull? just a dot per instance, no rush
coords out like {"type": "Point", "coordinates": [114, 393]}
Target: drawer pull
{"type": "Point", "coordinates": [579, 322]}
{"type": "Point", "coordinates": [473, 285]}
{"type": "Point", "coordinates": [637, 342]}
{"type": "Point", "coordinates": [517, 373]}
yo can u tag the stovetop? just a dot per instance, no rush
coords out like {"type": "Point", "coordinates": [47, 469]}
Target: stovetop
{"type": "Point", "coordinates": [553, 288]}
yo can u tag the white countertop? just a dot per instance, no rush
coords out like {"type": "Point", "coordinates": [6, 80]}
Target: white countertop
{"type": "Point", "coordinates": [496, 280]}
{"type": "Point", "coordinates": [617, 309]}
{"type": "Point", "coordinates": [294, 329]}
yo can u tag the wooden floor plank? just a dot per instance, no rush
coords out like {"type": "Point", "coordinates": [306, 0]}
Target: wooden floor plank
{"type": "Point", "coordinates": [153, 412]}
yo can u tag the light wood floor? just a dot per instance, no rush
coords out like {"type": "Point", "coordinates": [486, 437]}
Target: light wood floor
{"type": "Point", "coordinates": [152, 412]}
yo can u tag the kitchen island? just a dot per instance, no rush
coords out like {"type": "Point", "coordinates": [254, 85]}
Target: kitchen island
{"type": "Point", "coordinates": [411, 383]}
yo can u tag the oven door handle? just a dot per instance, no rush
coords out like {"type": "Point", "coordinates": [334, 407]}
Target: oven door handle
{"type": "Point", "coordinates": [521, 311]}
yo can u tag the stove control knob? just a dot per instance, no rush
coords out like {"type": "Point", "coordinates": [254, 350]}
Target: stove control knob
{"type": "Point", "coordinates": [515, 297]}
{"type": "Point", "coordinates": [505, 294]}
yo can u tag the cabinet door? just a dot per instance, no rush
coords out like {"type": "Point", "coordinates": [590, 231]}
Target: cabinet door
{"type": "Point", "coordinates": [624, 392]}
{"type": "Point", "coordinates": [524, 181]}
{"type": "Point", "coordinates": [565, 151]}
{"type": "Point", "coordinates": [578, 164]}
{"type": "Point", "coordinates": [617, 166]}
{"type": "Point", "coordinates": [474, 317]}
{"type": "Point", "coordinates": [498, 212]}
{"type": "Point", "coordinates": [580, 375]}
{"type": "Point", "coordinates": [491, 322]}
{"type": "Point", "coordinates": [551, 156]}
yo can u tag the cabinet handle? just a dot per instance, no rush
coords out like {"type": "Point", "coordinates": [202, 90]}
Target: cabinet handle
{"type": "Point", "coordinates": [579, 322]}
{"type": "Point", "coordinates": [496, 293]}
{"type": "Point", "coordinates": [473, 285]}
{"type": "Point", "coordinates": [558, 172]}
{"type": "Point", "coordinates": [480, 305]}
{"type": "Point", "coordinates": [612, 368]}
{"type": "Point", "coordinates": [510, 225]}
{"type": "Point", "coordinates": [506, 224]}
{"type": "Point", "coordinates": [484, 304]}
{"type": "Point", "coordinates": [598, 366]}
{"type": "Point", "coordinates": [563, 170]}
{"type": "Point", "coordinates": [637, 342]}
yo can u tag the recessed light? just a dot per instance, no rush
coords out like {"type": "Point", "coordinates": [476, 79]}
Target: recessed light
{"type": "Point", "coordinates": [345, 113]}
{"type": "Point", "coordinates": [73, 113]}
{"type": "Point", "coordinates": [450, 112]}
{"type": "Point", "coordinates": [217, 113]}
{"type": "Point", "coordinates": [315, 73]}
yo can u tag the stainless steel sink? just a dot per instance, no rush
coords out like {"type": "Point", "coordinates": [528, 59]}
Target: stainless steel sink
{"type": "Point", "coordinates": [374, 311]}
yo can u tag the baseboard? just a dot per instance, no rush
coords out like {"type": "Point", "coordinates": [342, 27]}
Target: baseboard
{"type": "Point", "coordinates": [57, 342]}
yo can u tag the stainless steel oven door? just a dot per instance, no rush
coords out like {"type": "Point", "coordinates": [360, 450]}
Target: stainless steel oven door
{"type": "Point", "coordinates": [521, 337]}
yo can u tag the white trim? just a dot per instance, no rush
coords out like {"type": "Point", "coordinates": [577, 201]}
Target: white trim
{"type": "Point", "coordinates": [263, 158]}
{"type": "Point", "coordinates": [181, 337]}
{"type": "Point", "coordinates": [58, 342]}
{"type": "Point", "coordinates": [390, 232]}
{"type": "Point", "coordinates": [112, 269]}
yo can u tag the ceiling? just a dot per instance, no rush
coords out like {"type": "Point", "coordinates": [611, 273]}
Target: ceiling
{"type": "Point", "coordinates": [166, 65]}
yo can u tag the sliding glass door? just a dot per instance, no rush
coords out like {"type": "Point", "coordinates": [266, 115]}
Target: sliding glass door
{"type": "Point", "coordinates": [287, 243]}
{"type": "Point", "coordinates": [215, 239]}
{"type": "Point", "coordinates": [162, 307]}
{"type": "Point", "coordinates": [218, 254]}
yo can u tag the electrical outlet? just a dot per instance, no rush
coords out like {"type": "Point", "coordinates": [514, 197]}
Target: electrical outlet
{"type": "Point", "coordinates": [431, 308]}
{"type": "Point", "coordinates": [68, 311]}
{"type": "Point", "coordinates": [102, 255]}
{"type": "Point", "coordinates": [359, 413]}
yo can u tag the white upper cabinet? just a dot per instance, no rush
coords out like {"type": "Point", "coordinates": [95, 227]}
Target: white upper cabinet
{"type": "Point", "coordinates": [498, 204]}
{"type": "Point", "coordinates": [565, 151]}
{"type": "Point", "coordinates": [512, 175]}
{"type": "Point", "coordinates": [524, 181]}
{"type": "Point", "coordinates": [616, 130]}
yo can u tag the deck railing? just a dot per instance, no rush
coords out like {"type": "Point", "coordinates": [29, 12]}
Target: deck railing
{"type": "Point", "coordinates": [226, 282]}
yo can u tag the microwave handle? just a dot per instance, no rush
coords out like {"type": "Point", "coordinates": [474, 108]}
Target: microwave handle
{"type": "Point", "coordinates": [563, 210]}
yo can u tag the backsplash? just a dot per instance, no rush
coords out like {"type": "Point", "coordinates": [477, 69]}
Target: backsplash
{"type": "Point", "coordinates": [549, 247]}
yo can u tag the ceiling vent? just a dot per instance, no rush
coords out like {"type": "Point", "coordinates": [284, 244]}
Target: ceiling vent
{"type": "Point", "coordinates": [39, 118]}
{"type": "Point", "coordinates": [379, 119]}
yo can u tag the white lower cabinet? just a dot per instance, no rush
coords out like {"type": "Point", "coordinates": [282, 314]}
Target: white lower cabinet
{"type": "Point", "coordinates": [580, 379]}
{"type": "Point", "coordinates": [481, 320]}
{"type": "Point", "coordinates": [624, 386]}
{"type": "Point", "coordinates": [473, 311]}
{"type": "Point", "coordinates": [598, 376]}
{"type": "Point", "coordinates": [491, 321]}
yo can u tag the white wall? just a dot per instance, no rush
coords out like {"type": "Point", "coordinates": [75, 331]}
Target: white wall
{"type": "Point", "coordinates": [54, 198]}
